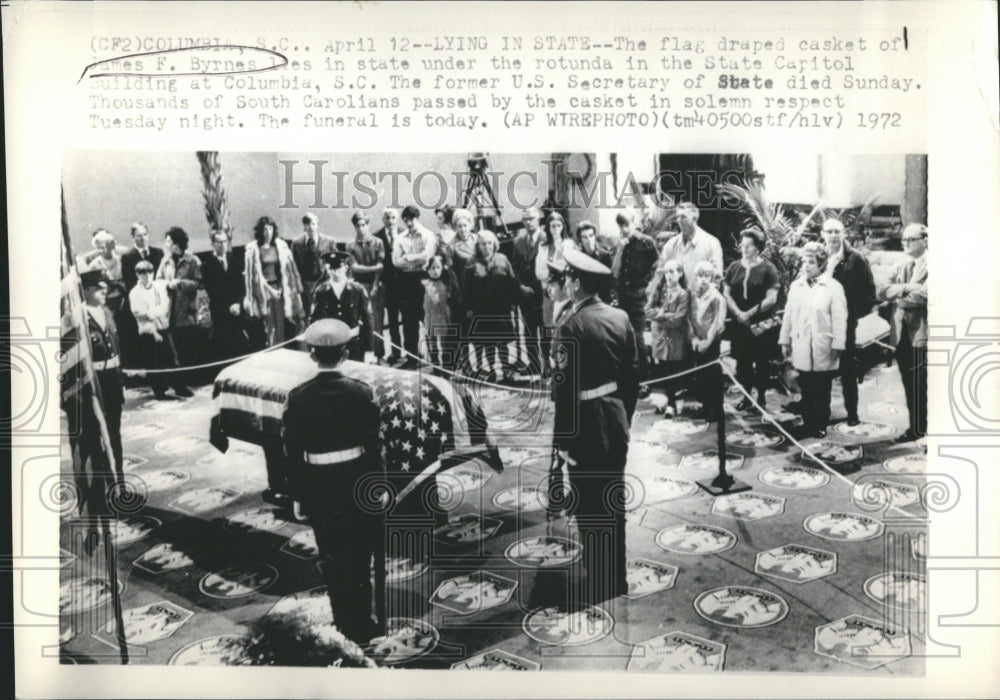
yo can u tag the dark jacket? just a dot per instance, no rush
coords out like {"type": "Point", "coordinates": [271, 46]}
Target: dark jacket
{"type": "Point", "coordinates": [352, 307]}
{"type": "Point", "coordinates": [186, 270]}
{"type": "Point", "coordinates": [389, 274]}
{"type": "Point", "coordinates": [330, 413]}
{"type": "Point", "coordinates": [104, 348]}
{"type": "Point", "coordinates": [225, 286]}
{"type": "Point", "coordinates": [131, 258]}
{"type": "Point", "coordinates": [523, 261]}
{"type": "Point", "coordinates": [307, 260]}
{"type": "Point", "coordinates": [638, 262]}
{"type": "Point", "coordinates": [855, 276]}
{"type": "Point", "coordinates": [595, 345]}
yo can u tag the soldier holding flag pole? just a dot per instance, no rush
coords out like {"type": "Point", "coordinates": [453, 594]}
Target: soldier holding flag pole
{"type": "Point", "coordinates": [94, 442]}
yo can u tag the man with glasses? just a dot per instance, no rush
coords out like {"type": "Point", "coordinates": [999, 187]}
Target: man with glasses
{"type": "Point", "coordinates": [848, 267]}
{"type": "Point", "coordinates": [907, 289]}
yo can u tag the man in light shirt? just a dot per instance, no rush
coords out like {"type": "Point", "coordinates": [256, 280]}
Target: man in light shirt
{"type": "Point", "coordinates": [693, 245]}
{"type": "Point", "coordinates": [150, 304]}
{"type": "Point", "coordinates": [412, 251]}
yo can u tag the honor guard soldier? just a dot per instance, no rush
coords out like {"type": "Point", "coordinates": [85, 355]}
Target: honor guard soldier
{"type": "Point", "coordinates": [342, 298]}
{"type": "Point", "coordinates": [107, 358]}
{"type": "Point", "coordinates": [333, 449]}
{"type": "Point", "coordinates": [595, 386]}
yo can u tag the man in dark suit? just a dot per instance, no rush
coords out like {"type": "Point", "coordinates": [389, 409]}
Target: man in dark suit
{"type": "Point", "coordinates": [307, 251]}
{"type": "Point", "coordinates": [390, 281]}
{"type": "Point", "coordinates": [141, 250]}
{"type": "Point", "coordinates": [222, 276]}
{"type": "Point", "coordinates": [525, 252]}
{"type": "Point", "coordinates": [850, 268]}
{"type": "Point", "coordinates": [907, 290]}
{"type": "Point", "coordinates": [595, 386]}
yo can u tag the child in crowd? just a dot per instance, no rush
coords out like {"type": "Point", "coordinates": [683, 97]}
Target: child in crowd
{"type": "Point", "coordinates": [705, 324]}
{"type": "Point", "coordinates": [149, 301]}
{"type": "Point", "coordinates": [667, 308]}
{"type": "Point", "coordinates": [442, 306]}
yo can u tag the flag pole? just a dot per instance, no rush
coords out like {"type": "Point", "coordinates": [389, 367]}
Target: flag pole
{"type": "Point", "coordinates": [104, 439]}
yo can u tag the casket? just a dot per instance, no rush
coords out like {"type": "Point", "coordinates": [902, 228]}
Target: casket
{"type": "Point", "coordinates": [425, 418]}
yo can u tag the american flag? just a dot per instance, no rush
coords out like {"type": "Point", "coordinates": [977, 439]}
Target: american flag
{"type": "Point", "coordinates": [424, 418]}
{"type": "Point", "coordinates": [94, 466]}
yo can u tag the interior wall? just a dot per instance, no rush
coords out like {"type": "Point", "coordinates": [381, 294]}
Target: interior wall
{"type": "Point", "coordinates": [163, 189]}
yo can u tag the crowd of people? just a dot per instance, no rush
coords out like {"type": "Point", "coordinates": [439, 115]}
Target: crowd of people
{"type": "Point", "coordinates": [449, 295]}
{"type": "Point", "coordinates": [466, 295]}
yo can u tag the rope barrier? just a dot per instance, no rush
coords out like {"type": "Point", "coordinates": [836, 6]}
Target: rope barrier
{"type": "Point", "coordinates": [527, 390]}
{"type": "Point", "coordinates": [217, 363]}
{"type": "Point", "coordinates": [692, 370]}
{"type": "Point", "coordinates": [805, 450]}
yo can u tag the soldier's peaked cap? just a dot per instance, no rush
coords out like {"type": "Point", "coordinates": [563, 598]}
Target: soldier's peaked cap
{"type": "Point", "coordinates": [335, 258]}
{"type": "Point", "coordinates": [92, 278]}
{"type": "Point", "coordinates": [327, 333]}
{"type": "Point", "coordinates": [557, 268]}
{"type": "Point", "coordinates": [581, 262]}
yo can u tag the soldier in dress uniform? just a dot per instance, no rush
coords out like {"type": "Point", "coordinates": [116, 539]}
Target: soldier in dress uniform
{"type": "Point", "coordinates": [332, 444]}
{"type": "Point", "coordinates": [340, 297]}
{"type": "Point", "coordinates": [106, 355]}
{"type": "Point", "coordinates": [595, 386]}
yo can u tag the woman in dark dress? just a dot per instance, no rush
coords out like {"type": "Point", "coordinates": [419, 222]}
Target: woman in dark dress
{"type": "Point", "coordinates": [750, 287]}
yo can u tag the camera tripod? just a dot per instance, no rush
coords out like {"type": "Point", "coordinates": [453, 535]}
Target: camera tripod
{"type": "Point", "coordinates": [479, 192]}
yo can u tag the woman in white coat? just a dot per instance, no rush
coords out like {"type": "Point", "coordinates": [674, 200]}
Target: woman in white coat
{"type": "Point", "coordinates": [273, 285]}
{"type": "Point", "coordinates": [813, 334]}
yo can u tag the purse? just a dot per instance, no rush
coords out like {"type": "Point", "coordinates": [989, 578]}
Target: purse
{"type": "Point", "coordinates": [762, 327]}
{"type": "Point", "coordinates": [202, 310]}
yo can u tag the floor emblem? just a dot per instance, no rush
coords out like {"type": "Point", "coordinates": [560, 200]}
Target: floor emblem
{"type": "Point", "coordinates": [543, 552]}
{"type": "Point", "coordinates": [794, 477]}
{"type": "Point", "coordinates": [496, 660]}
{"type": "Point", "coordinates": [861, 641]}
{"type": "Point", "coordinates": [796, 563]}
{"type": "Point", "coordinates": [473, 593]}
{"type": "Point", "coordinates": [677, 652]}
{"type": "Point", "coordinates": [699, 540]}
{"type": "Point", "coordinates": [238, 581]}
{"type": "Point", "coordinates": [843, 527]}
{"type": "Point", "coordinates": [741, 606]}
{"type": "Point", "coordinates": [748, 506]}
{"type": "Point", "coordinates": [646, 577]}
{"type": "Point", "coordinates": [566, 629]}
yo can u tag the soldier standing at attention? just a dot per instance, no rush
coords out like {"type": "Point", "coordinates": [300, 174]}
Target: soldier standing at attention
{"type": "Point", "coordinates": [332, 445]}
{"type": "Point", "coordinates": [107, 360]}
{"type": "Point", "coordinates": [595, 386]}
{"type": "Point", "coordinates": [342, 298]}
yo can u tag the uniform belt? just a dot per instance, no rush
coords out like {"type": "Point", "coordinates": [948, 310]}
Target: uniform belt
{"type": "Point", "coordinates": [603, 390]}
{"type": "Point", "coordinates": [100, 365]}
{"type": "Point", "coordinates": [337, 457]}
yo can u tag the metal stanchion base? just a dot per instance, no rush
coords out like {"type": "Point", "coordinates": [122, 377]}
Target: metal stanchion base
{"type": "Point", "coordinates": [723, 485]}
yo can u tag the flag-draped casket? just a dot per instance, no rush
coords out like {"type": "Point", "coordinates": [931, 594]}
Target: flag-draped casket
{"type": "Point", "coordinates": [424, 418]}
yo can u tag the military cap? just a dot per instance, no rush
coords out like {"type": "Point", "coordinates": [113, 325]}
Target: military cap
{"type": "Point", "coordinates": [336, 258]}
{"type": "Point", "coordinates": [327, 333]}
{"type": "Point", "coordinates": [92, 278]}
{"type": "Point", "coordinates": [581, 262]}
{"type": "Point", "coordinates": [557, 269]}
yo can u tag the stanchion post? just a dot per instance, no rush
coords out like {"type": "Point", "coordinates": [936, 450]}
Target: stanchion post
{"type": "Point", "coordinates": [723, 483]}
